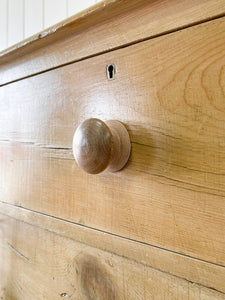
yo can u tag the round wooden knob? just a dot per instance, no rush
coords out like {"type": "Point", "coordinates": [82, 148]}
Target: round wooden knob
{"type": "Point", "coordinates": [98, 145]}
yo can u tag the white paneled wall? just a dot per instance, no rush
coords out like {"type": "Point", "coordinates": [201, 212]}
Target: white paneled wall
{"type": "Point", "coordinates": [3, 24]}
{"type": "Point", "coordinates": [15, 21]}
{"type": "Point", "coordinates": [76, 6]}
{"type": "Point", "coordinates": [33, 17]}
{"type": "Point", "coordinates": [55, 11]}
{"type": "Point", "coordinates": [20, 19]}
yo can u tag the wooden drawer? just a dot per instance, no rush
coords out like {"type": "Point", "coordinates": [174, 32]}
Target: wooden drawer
{"type": "Point", "coordinates": [51, 266]}
{"type": "Point", "coordinates": [169, 91]}
{"type": "Point", "coordinates": [154, 230]}
{"type": "Point", "coordinates": [106, 26]}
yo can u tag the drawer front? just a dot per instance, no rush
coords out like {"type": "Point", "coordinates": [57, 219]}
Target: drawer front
{"type": "Point", "coordinates": [169, 91]}
{"type": "Point", "coordinates": [88, 33]}
{"type": "Point", "coordinates": [49, 266]}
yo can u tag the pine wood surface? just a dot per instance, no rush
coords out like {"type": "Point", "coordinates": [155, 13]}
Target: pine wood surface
{"type": "Point", "coordinates": [39, 264]}
{"type": "Point", "coordinates": [190, 269]}
{"type": "Point", "coordinates": [171, 194]}
{"type": "Point", "coordinates": [108, 25]}
{"type": "Point", "coordinates": [99, 146]}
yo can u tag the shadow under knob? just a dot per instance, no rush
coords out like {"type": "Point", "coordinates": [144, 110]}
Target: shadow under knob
{"type": "Point", "coordinates": [98, 146]}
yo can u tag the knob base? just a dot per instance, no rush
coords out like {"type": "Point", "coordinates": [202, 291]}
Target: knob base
{"type": "Point", "coordinates": [121, 145]}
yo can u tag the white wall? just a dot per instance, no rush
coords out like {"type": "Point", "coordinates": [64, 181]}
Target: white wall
{"type": "Point", "coordinates": [20, 19]}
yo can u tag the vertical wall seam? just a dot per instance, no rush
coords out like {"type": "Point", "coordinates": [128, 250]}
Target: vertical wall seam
{"type": "Point", "coordinates": [43, 25]}
{"type": "Point", "coordinates": [43, 14]}
{"type": "Point", "coordinates": [7, 23]}
{"type": "Point", "coordinates": [67, 9]}
{"type": "Point", "coordinates": [23, 19]}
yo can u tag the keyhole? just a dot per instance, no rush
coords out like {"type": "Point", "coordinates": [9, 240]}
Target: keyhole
{"type": "Point", "coordinates": [111, 70]}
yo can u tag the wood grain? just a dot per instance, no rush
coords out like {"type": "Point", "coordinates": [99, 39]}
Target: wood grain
{"type": "Point", "coordinates": [171, 194]}
{"type": "Point", "coordinates": [93, 146]}
{"type": "Point", "coordinates": [99, 145]}
{"type": "Point", "coordinates": [36, 263]}
{"type": "Point", "coordinates": [194, 270]}
{"type": "Point", "coordinates": [108, 25]}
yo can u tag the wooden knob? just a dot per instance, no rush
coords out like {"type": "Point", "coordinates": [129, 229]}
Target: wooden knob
{"type": "Point", "coordinates": [98, 145]}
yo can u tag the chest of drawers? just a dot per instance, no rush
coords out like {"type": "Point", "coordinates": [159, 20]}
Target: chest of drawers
{"type": "Point", "coordinates": [155, 229]}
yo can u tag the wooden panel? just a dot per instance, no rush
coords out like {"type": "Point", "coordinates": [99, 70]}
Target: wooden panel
{"type": "Point", "coordinates": [15, 21]}
{"type": "Point", "coordinates": [194, 270]}
{"type": "Point", "coordinates": [130, 21]}
{"type": "Point", "coordinates": [33, 17]}
{"type": "Point", "coordinates": [54, 12]}
{"type": "Point", "coordinates": [3, 24]}
{"type": "Point", "coordinates": [39, 264]}
{"type": "Point", "coordinates": [172, 192]}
